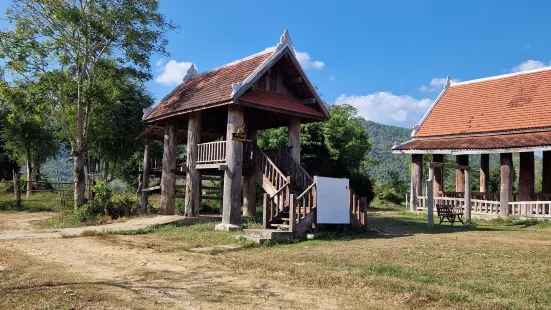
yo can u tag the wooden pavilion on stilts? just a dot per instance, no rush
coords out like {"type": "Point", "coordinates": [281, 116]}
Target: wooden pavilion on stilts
{"type": "Point", "coordinates": [217, 114]}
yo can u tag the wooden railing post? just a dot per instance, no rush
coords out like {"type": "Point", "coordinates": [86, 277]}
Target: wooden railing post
{"type": "Point", "coordinates": [17, 190]}
{"type": "Point", "coordinates": [292, 213]}
{"type": "Point", "coordinates": [265, 211]}
{"type": "Point", "coordinates": [364, 210]}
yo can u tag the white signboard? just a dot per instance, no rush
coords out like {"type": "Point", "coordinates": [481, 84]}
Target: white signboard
{"type": "Point", "coordinates": [332, 201]}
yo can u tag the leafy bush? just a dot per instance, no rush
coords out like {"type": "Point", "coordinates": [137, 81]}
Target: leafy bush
{"type": "Point", "coordinates": [122, 205]}
{"type": "Point", "coordinates": [102, 193]}
{"type": "Point", "coordinates": [89, 211]}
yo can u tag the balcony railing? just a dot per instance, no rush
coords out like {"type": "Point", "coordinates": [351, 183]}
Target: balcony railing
{"type": "Point", "coordinates": [211, 152]}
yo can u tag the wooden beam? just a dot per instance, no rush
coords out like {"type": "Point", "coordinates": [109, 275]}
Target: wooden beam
{"type": "Point", "coordinates": [234, 159]}
{"type": "Point", "coordinates": [217, 166]}
{"type": "Point", "coordinates": [295, 80]}
{"type": "Point", "coordinates": [294, 138]}
{"type": "Point", "coordinates": [526, 176]}
{"type": "Point", "coordinates": [150, 189]}
{"type": "Point", "coordinates": [484, 172]}
{"type": "Point", "coordinates": [438, 184]}
{"type": "Point", "coordinates": [249, 181]}
{"type": "Point", "coordinates": [309, 101]}
{"type": "Point", "coordinates": [145, 178]}
{"type": "Point", "coordinates": [506, 188]}
{"type": "Point", "coordinates": [193, 176]}
{"type": "Point", "coordinates": [168, 179]}
{"type": "Point", "coordinates": [467, 196]}
{"type": "Point", "coordinates": [461, 160]}
{"type": "Point", "coordinates": [546, 172]}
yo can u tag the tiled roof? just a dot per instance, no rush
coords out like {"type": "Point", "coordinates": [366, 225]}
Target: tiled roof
{"type": "Point", "coordinates": [505, 103]}
{"type": "Point", "coordinates": [208, 88]}
{"type": "Point", "coordinates": [280, 102]}
{"type": "Point", "coordinates": [501, 141]}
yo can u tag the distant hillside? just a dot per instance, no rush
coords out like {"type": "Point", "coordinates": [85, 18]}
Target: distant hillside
{"type": "Point", "coordinates": [382, 139]}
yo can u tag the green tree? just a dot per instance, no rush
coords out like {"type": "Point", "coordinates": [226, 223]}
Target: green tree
{"type": "Point", "coordinates": [66, 40]}
{"type": "Point", "coordinates": [336, 148]}
{"type": "Point", "coordinates": [28, 133]}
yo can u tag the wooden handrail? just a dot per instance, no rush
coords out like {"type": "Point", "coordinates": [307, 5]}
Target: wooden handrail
{"type": "Point", "coordinates": [298, 165]}
{"type": "Point", "coordinates": [211, 152]}
{"type": "Point", "coordinates": [306, 191]}
{"type": "Point", "coordinates": [273, 166]}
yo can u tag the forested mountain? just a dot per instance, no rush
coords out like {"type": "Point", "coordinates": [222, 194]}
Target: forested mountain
{"type": "Point", "coordinates": [382, 139]}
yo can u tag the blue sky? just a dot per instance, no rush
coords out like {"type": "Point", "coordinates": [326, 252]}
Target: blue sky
{"type": "Point", "coordinates": [387, 58]}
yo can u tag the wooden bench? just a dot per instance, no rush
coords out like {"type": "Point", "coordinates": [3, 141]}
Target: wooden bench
{"type": "Point", "coordinates": [449, 213]}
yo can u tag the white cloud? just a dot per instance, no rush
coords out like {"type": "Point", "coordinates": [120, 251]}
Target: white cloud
{"type": "Point", "coordinates": [435, 84]}
{"type": "Point", "coordinates": [530, 64]}
{"type": "Point", "coordinates": [331, 78]}
{"type": "Point", "coordinates": [304, 59]}
{"type": "Point", "coordinates": [387, 108]}
{"type": "Point", "coordinates": [171, 72]}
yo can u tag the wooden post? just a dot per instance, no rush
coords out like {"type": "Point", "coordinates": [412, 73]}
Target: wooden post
{"type": "Point", "coordinates": [292, 214]}
{"type": "Point", "coordinates": [249, 181]}
{"type": "Point", "coordinates": [17, 190]}
{"type": "Point", "coordinates": [416, 179]}
{"type": "Point", "coordinates": [233, 173]}
{"type": "Point", "coordinates": [546, 173]}
{"type": "Point", "coordinates": [168, 178]}
{"type": "Point", "coordinates": [363, 202]}
{"type": "Point", "coordinates": [145, 179]}
{"type": "Point", "coordinates": [294, 138]}
{"type": "Point", "coordinates": [460, 173]}
{"type": "Point", "coordinates": [438, 183]}
{"type": "Point", "coordinates": [484, 172]}
{"type": "Point", "coordinates": [265, 211]}
{"type": "Point", "coordinates": [430, 197]}
{"type": "Point", "coordinates": [193, 176]}
{"type": "Point", "coordinates": [467, 196]}
{"type": "Point", "coordinates": [505, 195]}
{"type": "Point", "coordinates": [526, 178]}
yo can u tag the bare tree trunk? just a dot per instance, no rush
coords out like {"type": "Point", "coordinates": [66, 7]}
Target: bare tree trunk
{"type": "Point", "coordinates": [29, 173]}
{"type": "Point", "coordinates": [105, 170]}
{"type": "Point", "coordinates": [79, 178]}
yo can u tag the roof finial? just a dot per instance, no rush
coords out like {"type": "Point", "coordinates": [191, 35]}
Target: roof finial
{"type": "Point", "coordinates": [448, 82]}
{"type": "Point", "coordinates": [284, 40]}
{"type": "Point", "coordinates": [191, 72]}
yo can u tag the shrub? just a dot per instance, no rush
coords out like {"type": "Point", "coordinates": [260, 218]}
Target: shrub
{"type": "Point", "coordinates": [102, 193]}
{"type": "Point", "coordinates": [122, 205]}
{"type": "Point", "coordinates": [89, 211]}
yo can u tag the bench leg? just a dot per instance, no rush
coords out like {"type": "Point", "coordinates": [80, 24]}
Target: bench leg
{"type": "Point", "coordinates": [451, 218]}
{"type": "Point", "coordinates": [460, 219]}
{"type": "Point", "coordinates": [441, 220]}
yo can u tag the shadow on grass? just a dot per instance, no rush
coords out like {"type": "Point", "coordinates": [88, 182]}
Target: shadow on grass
{"type": "Point", "coordinates": [392, 226]}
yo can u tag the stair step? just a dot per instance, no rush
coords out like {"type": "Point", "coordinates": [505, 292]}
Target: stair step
{"type": "Point", "coordinates": [280, 225]}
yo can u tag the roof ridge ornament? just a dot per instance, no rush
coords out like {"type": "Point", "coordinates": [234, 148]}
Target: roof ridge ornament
{"type": "Point", "coordinates": [236, 87]}
{"type": "Point", "coordinates": [284, 40]}
{"type": "Point", "coordinates": [415, 130]}
{"type": "Point", "coordinates": [448, 82]}
{"type": "Point", "coordinates": [191, 72]}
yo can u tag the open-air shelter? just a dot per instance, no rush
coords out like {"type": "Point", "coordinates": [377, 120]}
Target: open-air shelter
{"type": "Point", "coordinates": [503, 115]}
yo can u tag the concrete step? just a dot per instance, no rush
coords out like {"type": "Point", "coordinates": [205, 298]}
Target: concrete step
{"type": "Point", "coordinates": [261, 235]}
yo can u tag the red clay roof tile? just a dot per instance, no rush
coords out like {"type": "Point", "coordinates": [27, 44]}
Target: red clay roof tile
{"type": "Point", "coordinates": [498, 104]}
{"type": "Point", "coordinates": [208, 88]}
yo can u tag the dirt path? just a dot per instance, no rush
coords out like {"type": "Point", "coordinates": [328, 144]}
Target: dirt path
{"type": "Point", "coordinates": [20, 225]}
{"type": "Point", "coordinates": [177, 280]}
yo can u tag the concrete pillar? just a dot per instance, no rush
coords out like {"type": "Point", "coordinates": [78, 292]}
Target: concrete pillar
{"type": "Point", "coordinates": [546, 173]}
{"type": "Point", "coordinates": [231, 216]}
{"type": "Point", "coordinates": [526, 176]}
{"type": "Point", "coordinates": [438, 183]}
{"type": "Point", "coordinates": [249, 181]}
{"type": "Point", "coordinates": [507, 175]}
{"type": "Point", "coordinates": [416, 180]}
{"type": "Point", "coordinates": [294, 138]}
{"type": "Point", "coordinates": [484, 172]}
{"type": "Point", "coordinates": [168, 178]}
{"type": "Point", "coordinates": [193, 176]}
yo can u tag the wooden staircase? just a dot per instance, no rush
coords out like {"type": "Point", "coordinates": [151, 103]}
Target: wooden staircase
{"type": "Point", "coordinates": [290, 198]}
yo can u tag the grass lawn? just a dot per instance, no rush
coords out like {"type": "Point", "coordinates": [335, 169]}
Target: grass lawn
{"type": "Point", "coordinates": [398, 264]}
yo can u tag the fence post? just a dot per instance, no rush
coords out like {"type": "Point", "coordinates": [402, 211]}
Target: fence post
{"type": "Point", "coordinates": [265, 214]}
{"type": "Point", "coordinates": [363, 202]}
{"type": "Point", "coordinates": [17, 190]}
{"type": "Point", "coordinates": [430, 197]}
{"type": "Point", "coordinates": [292, 213]}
